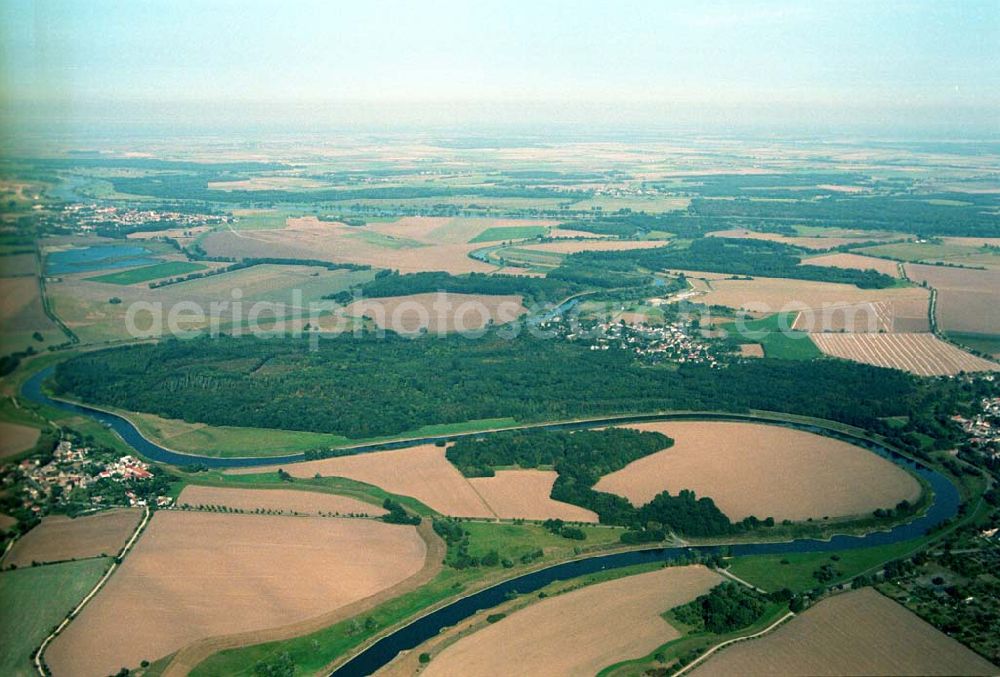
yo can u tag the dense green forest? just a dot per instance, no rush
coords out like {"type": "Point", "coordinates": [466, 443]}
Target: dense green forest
{"type": "Point", "coordinates": [725, 608]}
{"type": "Point", "coordinates": [580, 459]}
{"type": "Point", "coordinates": [736, 256]}
{"type": "Point", "coordinates": [368, 385]}
{"type": "Point", "coordinates": [389, 283]}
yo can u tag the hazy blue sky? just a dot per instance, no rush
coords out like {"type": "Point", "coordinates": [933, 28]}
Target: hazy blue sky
{"type": "Point", "coordinates": [833, 59]}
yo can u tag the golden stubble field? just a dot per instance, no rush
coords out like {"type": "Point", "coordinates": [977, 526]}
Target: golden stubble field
{"type": "Point", "coordinates": [60, 538]}
{"type": "Point", "coordinates": [856, 633]}
{"type": "Point", "coordinates": [967, 299]}
{"type": "Point", "coordinates": [284, 500]}
{"type": "Point", "coordinates": [513, 494]}
{"type": "Point", "coordinates": [578, 632]}
{"type": "Point", "coordinates": [921, 354]}
{"type": "Point", "coordinates": [856, 262]}
{"type": "Point", "coordinates": [424, 473]}
{"type": "Point", "coordinates": [764, 471]}
{"type": "Point", "coordinates": [198, 575]}
{"type": "Point", "coordinates": [409, 245]}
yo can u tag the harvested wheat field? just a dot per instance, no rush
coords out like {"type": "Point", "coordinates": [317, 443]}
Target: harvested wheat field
{"type": "Point", "coordinates": [564, 246]}
{"type": "Point", "coordinates": [774, 294]}
{"type": "Point", "coordinates": [60, 538]}
{"type": "Point", "coordinates": [921, 354]}
{"type": "Point", "coordinates": [15, 438]}
{"type": "Point", "coordinates": [856, 633]}
{"type": "Point", "coordinates": [310, 238]}
{"type": "Point", "coordinates": [285, 500]}
{"type": "Point", "coordinates": [422, 472]}
{"type": "Point", "coordinates": [196, 575]}
{"type": "Point", "coordinates": [751, 350]}
{"type": "Point", "coordinates": [525, 494]}
{"type": "Point", "coordinates": [763, 470]}
{"type": "Point", "coordinates": [855, 261]}
{"type": "Point", "coordinates": [872, 316]}
{"type": "Point", "coordinates": [967, 299]}
{"type": "Point", "coordinates": [571, 634]}
{"type": "Point", "coordinates": [438, 312]}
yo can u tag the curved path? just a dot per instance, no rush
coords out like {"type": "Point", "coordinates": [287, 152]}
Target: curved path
{"type": "Point", "coordinates": [944, 506]}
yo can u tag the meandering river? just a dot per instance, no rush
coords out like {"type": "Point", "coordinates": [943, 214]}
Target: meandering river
{"type": "Point", "coordinates": [944, 506]}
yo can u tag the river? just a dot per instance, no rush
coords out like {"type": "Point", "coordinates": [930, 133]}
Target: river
{"type": "Point", "coordinates": [945, 505]}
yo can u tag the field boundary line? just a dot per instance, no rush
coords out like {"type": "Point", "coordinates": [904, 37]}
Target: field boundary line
{"type": "Point", "coordinates": [722, 645]}
{"type": "Point", "coordinates": [39, 654]}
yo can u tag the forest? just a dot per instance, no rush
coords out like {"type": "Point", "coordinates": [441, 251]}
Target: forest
{"type": "Point", "coordinates": [738, 257]}
{"type": "Point", "coordinates": [371, 385]}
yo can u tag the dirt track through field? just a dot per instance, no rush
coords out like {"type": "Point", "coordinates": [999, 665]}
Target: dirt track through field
{"type": "Point", "coordinates": [60, 538]}
{"type": "Point", "coordinates": [856, 633]}
{"type": "Point", "coordinates": [579, 632]}
{"type": "Point", "coordinates": [193, 576]}
{"type": "Point", "coordinates": [763, 470]}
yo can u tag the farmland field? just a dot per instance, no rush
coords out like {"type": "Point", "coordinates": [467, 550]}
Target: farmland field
{"type": "Point", "coordinates": [34, 601]}
{"type": "Point", "coordinates": [497, 234]}
{"type": "Point", "coordinates": [806, 242]}
{"type": "Point", "coordinates": [566, 246]}
{"type": "Point", "coordinates": [408, 247]}
{"type": "Point", "coordinates": [921, 354]}
{"type": "Point", "coordinates": [872, 316]}
{"type": "Point", "coordinates": [422, 472]}
{"type": "Point", "coordinates": [60, 538]}
{"type": "Point", "coordinates": [147, 273]}
{"type": "Point", "coordinates": [15, 438]}
{"type": "Point", "coordinates": [856, 633]}
{"type": "Point", "coordinates": [855, 261]}
{"type": "Point", "coordinates": [279, 500]}
{"type": "Point", "coordinates": [570, 634]}
{"type": "Point", "coordinates": [22, 314]}
{"type": "Point", "coordinates": [744, 468]}
{"type": "Point", "coordinates": [966, 299]}
{"type": "Point", "coordinates": [178, 586]}
{"type": "Point", "coordinates": [769, 294]}
{"type": "Point", "coordinates": [513, 494]}
{"type": "Point", "coordinates": [438, 313]}
{"type": "Point", "coordinates": [960, 251]}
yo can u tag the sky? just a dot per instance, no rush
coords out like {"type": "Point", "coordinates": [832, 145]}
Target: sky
{"type": "Point", "coordinates": [884, 63]}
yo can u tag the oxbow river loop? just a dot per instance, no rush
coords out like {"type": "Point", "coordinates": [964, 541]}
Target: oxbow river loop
{"type": "Point", "coordinates": [944, 506]}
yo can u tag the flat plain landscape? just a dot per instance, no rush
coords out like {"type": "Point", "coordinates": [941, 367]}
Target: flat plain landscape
{"type": "Point", "coordinates": [570, 634]}
{"type": "Point", "coordinates": [745, 468]}
{"type": "Point", "coordinates": [178, 586]}
{"type": "Point", "coordinates": [966, 299]}
{"type": "Point", "coordinates": [921, 354]}
{"type": "Point", "coordinates": [60, 538]}
{"type": "Point", "coordinates": [856, 262]}
{"type": "Point", "coordinates": [856, 633]}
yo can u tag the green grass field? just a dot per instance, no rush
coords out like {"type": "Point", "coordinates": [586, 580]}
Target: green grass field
{"type": "Point", "coordinates": [147, 273]}
{"type": "Point", "coordinates": [515, 540]}
{"type": "Point", "coordinates": [509, 233]}
{"type": "Point", "coordinates": [223, 441]}
{"type": "Point", "coordinates": [928, 251]}
{"type": "Point", "coordinates": [768, 572]}
{"type": "Point", "coordinates": [778, 344]}
{"type": "Point", "coordinates": [984, 343]}
{"type": "Point", "coordinates": [35, 600]}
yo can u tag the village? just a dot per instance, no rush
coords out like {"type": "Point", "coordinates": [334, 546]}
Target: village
{"type": "Point", "coordinates": [672, 342]}
{"type": "Point", "coordinates": [109, 219]}
{"type": "Point", "coordinates": [77, 477]}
